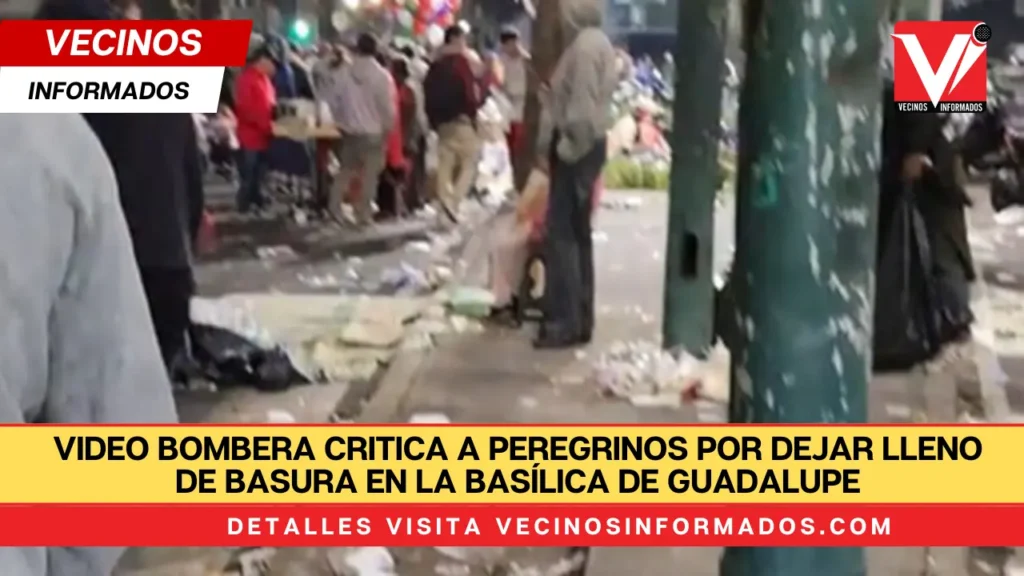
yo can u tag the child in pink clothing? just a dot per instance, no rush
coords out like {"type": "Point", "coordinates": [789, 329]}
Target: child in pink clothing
{"type": "Point", "coordinates": [514, 234]}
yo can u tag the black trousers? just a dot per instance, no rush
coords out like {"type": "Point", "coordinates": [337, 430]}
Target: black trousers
{"type": "Point", "coordinates": [568, 303]}
{"type": "Point", "coordinates": [169, 292]}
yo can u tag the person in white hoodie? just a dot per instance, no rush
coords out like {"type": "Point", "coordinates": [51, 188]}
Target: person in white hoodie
{"type": "Point", "coordinates": [363, 106]}
{"type": "Point", "coordinates": [575, 120]}
{"type": "Point", "coordinates": [77, 345]}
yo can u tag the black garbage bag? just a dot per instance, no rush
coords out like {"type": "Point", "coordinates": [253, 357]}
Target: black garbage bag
{"type": "Point", "coordinates": [228, 359]}
{"type": "Point", "coordinates": [917, 309]}
{"type": "Point", "coordinates": [1005, 190]}
{"type": "Point", "coordinates": [905, 323]}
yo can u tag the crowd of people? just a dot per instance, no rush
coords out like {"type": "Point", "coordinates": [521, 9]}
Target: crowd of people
{"type": "Point", "coordinates": [385, 100]}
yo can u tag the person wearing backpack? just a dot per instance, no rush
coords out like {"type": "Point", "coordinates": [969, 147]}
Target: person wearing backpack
{"type": "Point", "coordinates": [452, 97]}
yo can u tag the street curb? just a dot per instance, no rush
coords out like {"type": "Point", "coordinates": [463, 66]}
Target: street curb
{"type": "Point", "coordinates": [380, 399]}
{"type": "Point", "coordinates": [383, 401]}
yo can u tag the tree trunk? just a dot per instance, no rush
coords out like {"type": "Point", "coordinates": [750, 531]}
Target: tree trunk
{"type": "Point", "coordinates": [803, 279]}
{"type": "Point", "coordinates": [160, 9]}
{"type": "Point", "coordinates": [210, 9]}
{"type": "Point", "coordinates": [548, 43]}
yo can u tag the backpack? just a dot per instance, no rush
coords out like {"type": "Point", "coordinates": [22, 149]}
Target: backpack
{"type": "Point", "coordinates": [444, 91]}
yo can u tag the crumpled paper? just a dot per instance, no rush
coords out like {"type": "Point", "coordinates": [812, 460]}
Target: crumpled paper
{"type": "Point", "coordinates": [646, 375]}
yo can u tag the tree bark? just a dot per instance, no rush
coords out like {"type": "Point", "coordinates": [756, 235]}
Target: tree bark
{"type": "Point", "coordinates": [160, 9]}
{"type": "Point", "coordinates": [548, 43]}
{"type": "Point", "coordinates": [210, 9]}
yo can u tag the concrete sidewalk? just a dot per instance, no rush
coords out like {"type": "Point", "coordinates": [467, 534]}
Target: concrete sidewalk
{"type": "Point", "coordinates": [497, 377]}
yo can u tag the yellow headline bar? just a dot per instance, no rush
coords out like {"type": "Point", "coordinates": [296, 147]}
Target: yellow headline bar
{"type": "Point", "coordinates": [492, 464]}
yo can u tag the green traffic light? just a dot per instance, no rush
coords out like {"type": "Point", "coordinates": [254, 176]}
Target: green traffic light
{"type": "Point", "coordinates": [301, 29]}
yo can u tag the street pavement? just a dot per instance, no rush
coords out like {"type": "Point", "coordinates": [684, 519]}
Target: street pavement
{"type": "Point", "coordinates": [997, 241]}
{"type": "Point", "coordinates": [498, 377]}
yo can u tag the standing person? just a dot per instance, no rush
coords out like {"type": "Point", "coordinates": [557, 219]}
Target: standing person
{"type": "Point", "coordinates": [78, 345]}
{"type": "Point", "coordinates": [416, 136]}
{"type": "Point", "coordinates": [515, 62]}
{"type": "Point", "coordinates": [288, 160]}
{"type": "Point", "coordinates": [410, 109]}
{"type": "Point", "coordinates": [452, 98]}
{"type": "Point", "coordinates": [255, 100]}
{"type": "Point", "coordinates": [576, 119]}
{"type": "Point", "coordinates": [403, 146]}
{"type": "Point", "coordinates": [363, 105]}
{"type": "Point", "coordinates": [160, 184]}
{"type": "Point", "coordinates": [161, 188]}
{"type": "Point", "coordinates": [391, 184]}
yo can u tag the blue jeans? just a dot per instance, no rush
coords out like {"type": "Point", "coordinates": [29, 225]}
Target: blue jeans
{"type": "Point", "coordinates": [252, 165]}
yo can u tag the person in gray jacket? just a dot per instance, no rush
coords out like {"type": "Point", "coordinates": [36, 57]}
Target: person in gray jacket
{"type": "Point", "coordinates": [363, 105]}
{"type": "Point", "coordinates": [76, 340]}
{"type": "Point", "coordinates": [576, 117]}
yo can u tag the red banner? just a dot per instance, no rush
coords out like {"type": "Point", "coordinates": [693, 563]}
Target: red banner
{"type": "Point", "coordinates": [505, 525]}
{"type": "Point", "coordinates": [124, 42]}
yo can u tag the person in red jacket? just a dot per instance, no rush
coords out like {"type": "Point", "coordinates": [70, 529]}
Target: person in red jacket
{"type": "Point", "coordinates": [391, 182]}
{"type": "Point", "coordinates": [255, 100]}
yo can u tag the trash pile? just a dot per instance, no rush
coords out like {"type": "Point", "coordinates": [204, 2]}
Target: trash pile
{"type": "Point", "coordinates": [645, 375]}
{"type": "Point", "coordinates": [642, 117]}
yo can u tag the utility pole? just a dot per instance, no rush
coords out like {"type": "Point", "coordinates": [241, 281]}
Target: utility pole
{"type": "Point", "coordinates": [803, 279]}
{"type": "Point", "coordinates": [547, 45]}
{"type": "Point", "coordinates": [687, 319]}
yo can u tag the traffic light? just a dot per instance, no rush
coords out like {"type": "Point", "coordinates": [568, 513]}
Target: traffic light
{"type": "Point", "coordinates": [300, 31]}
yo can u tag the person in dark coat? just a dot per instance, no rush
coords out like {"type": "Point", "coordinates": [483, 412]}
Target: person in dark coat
{"type": "Point", "coordinates": [918, 153]}
{"type": "Point", "coordinates": [288, 162]}
{"type": "Point", "coordinates": [156, 162]}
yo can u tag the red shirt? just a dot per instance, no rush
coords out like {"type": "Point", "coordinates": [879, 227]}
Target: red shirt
{"type": "Point", "coordinates": [254, 107]}
{"type": "Point", "coordinates": [395, 151]}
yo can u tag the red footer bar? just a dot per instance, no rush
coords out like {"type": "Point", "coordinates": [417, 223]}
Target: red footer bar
{"type": "Point", "coordinates": [510, 525]}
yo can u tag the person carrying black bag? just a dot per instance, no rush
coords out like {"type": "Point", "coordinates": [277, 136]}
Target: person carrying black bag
{"type": "Point", "coordinates": [925, 265]}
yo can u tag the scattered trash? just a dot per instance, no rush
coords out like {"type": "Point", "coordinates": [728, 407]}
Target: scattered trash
{"type": "Point", "coordinates": [431, 418]}
{"type": "Point", "coordinates": [528, 402]}
{"type": "Point", "coordinates": [371, 561]}
{"type": "Point", "coordinates": [276, 416]}
{"type": "Point", "coordinates": [619, 202]}
{"type": "Point", "coordinates": [280, 252]}
{"type": "Point", "coordinates": [420, 246]}
{"type": "Point", "coordinates": [451, 569]}
{"type": "Point", "coordinates": [471, 302]}
{"type": "Point", "coordinates": [484, 556]}
{"type": "Point", "coordinates": [252, 561]}
{"type": "Point", "coordinates": [463, 325]}
{"type": "Point", "coordinates": [647, 375]}
{"type": "Point", "coordinates": [320, 281]}
{"type": "Point", "coordinates": [1005, 278]}
{"type": "Point", "coordinates": [599, 237]}
{"type": "Point", "coordinates": [404, 279]}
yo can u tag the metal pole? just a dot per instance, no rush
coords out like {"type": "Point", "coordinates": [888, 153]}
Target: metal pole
{"type": "Point", "coordinates": [687, 319]}
{"type": "Point", "coordinates": [806, 223]}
